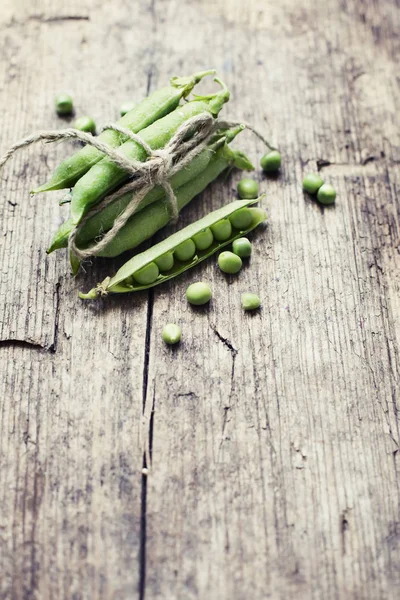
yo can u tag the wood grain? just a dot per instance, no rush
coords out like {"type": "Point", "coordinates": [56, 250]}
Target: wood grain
{"type": "Point", "coordinates": [273, 437]}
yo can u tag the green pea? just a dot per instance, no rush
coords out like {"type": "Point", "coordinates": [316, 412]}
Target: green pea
{"type": "Point", "coordinates": [250, 301]}
{"type": "Point", "coordinates": [147, 274]}
{"type": "Point", "coordinates": [229, 262]}
{"type": "Point", "coordinates": [326, 194]}
{"type": "Point", "coordinates": [312, 182]}
{"type": "Point", "coordinates": [171, 333]}
{"type": "Point", "coordinates": [242, 247]}
{"type": "Point", "coordinates": [203, 239]}
{"type": "Point", "coordinates": [222, 230]}
{"type": "Point", "coordinates": [198, 293]}
{"type": "Point", "coordinates": [271, 161]}
{"type": "Point", "coordinates": [185, 251]}
{"type": "Point", "coordinates": [165, 262]}
{"type": "Point", "coordinates": [241, 219]}
{"type": "Point", "coordinates": [247, 189]}
{"type": "Point", "coordinates": [85, 124]}
{"type": "Point", "coordinates": [64, 104]}
{"type": "Point", "coordinates": [126, 107]}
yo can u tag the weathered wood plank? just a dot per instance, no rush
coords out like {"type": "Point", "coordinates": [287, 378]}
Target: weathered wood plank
{"type": "Point", "coordinates": [274, 437]}
{"type": "Point", "coordinates": [71, 374]}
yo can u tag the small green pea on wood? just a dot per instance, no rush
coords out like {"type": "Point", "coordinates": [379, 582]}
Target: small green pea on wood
{"type": "Point", "coordinates": [171, 333]}
{"type": "Point", "coordinates": [198, 293]}
{"type": "Point", "coordinates": [250, 301]}
{"type": "Point", "coordinates": [229, 262]}
{"type": "Point", "coordinates": [242, 247]}
{"type": "Point", "coordinates": [247, 188]}
{"type": "Point", "coordinates": [64, 104]}
{"type": "Point", "coordinates": [271, 162]}
{"type": "Point", "coordinates": [315, 185]}
{"type": "Point", "coordinates": [85, 124]}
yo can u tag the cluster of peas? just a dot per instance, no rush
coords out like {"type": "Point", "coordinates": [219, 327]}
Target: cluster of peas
{"type": "Point", "coordinates": [314, 184]}
{"type": "Point", "coordinates": [229, 262]}
{"type": "Point", "coordinates": [65, 107]}
{"type": "Point", "coordinates": [200, 293]}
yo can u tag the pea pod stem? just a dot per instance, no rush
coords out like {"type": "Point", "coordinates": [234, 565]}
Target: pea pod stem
{"type": "Point", "coordinates": [229, 124]}
{"type": "Point", "coordinates": [123, 281]}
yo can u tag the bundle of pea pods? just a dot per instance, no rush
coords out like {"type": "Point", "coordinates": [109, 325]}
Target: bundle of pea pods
{"type": "Point", "coordinates": [92, 176]}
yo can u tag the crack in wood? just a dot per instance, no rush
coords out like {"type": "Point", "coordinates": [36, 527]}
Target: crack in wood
{"type": "Point", "coordinates": [58, 18]}
{"type": "Point", "coordinates": [344, 526]}
{"type": "Point", "coordinates": [29, 344]}
{"type": "Point", "coordinates": [53, 347]}
{"type": "Point", "coordinates": [234, 352]}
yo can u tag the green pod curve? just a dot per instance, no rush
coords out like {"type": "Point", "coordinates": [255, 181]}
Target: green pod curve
{"type": "Point", "coordinates": [104, 220]}
{"type": "Point", "coordinates": [145, 224]}
{"type": "Point", "coordinates": [123, 281]}
{"type": "Point", "coordinates": [105, 176]}
{"type": "Point", "coordinates": [154, 107]}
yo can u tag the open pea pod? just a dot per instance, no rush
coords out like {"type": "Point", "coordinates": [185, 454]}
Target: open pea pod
{"type": "Point", "coordinates": [182, 250]}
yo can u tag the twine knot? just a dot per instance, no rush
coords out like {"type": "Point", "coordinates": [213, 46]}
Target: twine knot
{"type": "Point", "coordinates": [164, 160]}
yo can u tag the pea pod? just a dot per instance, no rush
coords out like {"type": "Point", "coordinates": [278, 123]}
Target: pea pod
{"type": "Point", "coordinates": [152, 108]}
{"type": "Point", "coordinates": [147, 222]}
{"type": "Point", "coordinates": [105, 176]}
{"type": "Point", "coordinates": [103, 221]}
{"type": "Point", "coordinates": [141, 266]}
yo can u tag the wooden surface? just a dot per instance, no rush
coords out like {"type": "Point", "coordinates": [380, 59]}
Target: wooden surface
{"type": "Point", "coordinates": [274, 437]}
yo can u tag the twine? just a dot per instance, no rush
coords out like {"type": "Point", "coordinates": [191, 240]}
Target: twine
{"type": "Point", "coordinates": [159, 167]}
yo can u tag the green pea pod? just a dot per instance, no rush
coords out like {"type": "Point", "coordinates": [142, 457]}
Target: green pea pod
{"type": "Point", "coordinates": [126, 278]}
{"type": "Point", "coordinates": [152, 108]}
{"type": "Point", "coordinates": [103, 221]}
{"type": "Point", "coordinates": [154, 217]}
{"type": "Point", "coordinates": [105, 176]}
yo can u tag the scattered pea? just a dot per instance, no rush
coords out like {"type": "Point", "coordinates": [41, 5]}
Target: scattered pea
{"type": "Point", "coordinates": [271, 161]}
{"type": "Point", "coordinates": [186, 250]}
{"type": "Point", "coordinates": [198, 293]}
{"type": "Point", "coordinates": [126, 107]}
{"type": "Point", "coordinates": [64, 104]}
{"type": "Point", "coordinates": [203, 239]}
{"type": "Point", "coordinates": [229, 262]}
{"type": "Point", "coordinates": [241, 219]}
{"type": "Point", "coordinates": [250, 301]}
{"type": "Point", "coordinates": [171, 333]}
{"type": "Point", "coordinates": [242, 247]}
{"type": "Point", "coordinates": [312, 182]}
{"type": "Point", "coordinates": [165, 262]}
{"type": "Point", "coordinates": [326, 194]}
{"type": "Point", "coordinates": [85, 124]}
{"type": "Point", "coordinates": [222, 230]}
{"type": "Point", "coordinates": [148, 274]}
{"type": "Point", "coordinates": [247, 189]}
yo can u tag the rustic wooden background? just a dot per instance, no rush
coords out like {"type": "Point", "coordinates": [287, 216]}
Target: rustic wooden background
{"type": "Point", "coordinates": [274, 437]}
